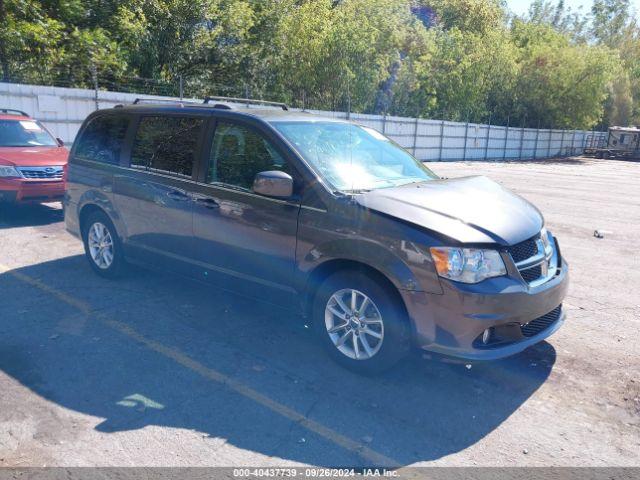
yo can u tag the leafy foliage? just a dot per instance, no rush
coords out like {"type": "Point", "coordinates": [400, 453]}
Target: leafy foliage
{"type": "Point", "coordinates": [458, 59]}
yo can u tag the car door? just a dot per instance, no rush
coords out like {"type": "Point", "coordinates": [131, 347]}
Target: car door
{"type": "Point", "coordinates": [242, 238]}
{"type": "Point", "coordinates": [152, 195]}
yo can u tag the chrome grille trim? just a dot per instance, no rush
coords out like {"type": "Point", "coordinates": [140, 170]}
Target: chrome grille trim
{"type": "Point", "coordinates": [41, 173]}
{"type": "Point", "coordinates": [524, 250]}
{"type": "Point", "coordinates": [545, 258]}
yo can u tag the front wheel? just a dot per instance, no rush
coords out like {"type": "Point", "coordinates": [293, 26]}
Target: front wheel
{"type": "Point", "coordinates": [102, 245]}
{"type": "Point", "coordinates": [361, 322]}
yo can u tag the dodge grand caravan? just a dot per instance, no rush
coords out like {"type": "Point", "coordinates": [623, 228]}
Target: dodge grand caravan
{"type": "Point", "coordinates": [321, 215]}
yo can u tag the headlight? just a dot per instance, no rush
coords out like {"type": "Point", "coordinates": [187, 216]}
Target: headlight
{"type": "Point", "coordinates": [9, 172]}
{"type": "Point", "coordinates": [467, 265]}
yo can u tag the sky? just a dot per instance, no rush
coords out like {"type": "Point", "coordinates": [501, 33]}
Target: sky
{"type": "Point", "coordinates": [522, 6]}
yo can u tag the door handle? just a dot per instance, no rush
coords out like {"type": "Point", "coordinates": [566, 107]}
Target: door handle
{"type": "Point", "coordinates": [177, 195]}
{"type": "Point", "coordinates": [208, 202]}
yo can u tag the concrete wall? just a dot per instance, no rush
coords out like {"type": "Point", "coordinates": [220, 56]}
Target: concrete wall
{"type": "Point", "coordinates": [63, 110]}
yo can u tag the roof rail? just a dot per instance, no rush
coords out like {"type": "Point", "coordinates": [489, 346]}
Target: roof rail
{"type": "Point", "coordinates": [12, 111]}
{"type": "Point", "coordinates": [138, 101]}
{"type": "Point", "coordinates": [283, 106]}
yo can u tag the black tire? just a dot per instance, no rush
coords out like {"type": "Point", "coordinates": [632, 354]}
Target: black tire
{"type": "Point", "coordinates": [117, 266]}
{"type": "Point", "coordinates": [395, 344]}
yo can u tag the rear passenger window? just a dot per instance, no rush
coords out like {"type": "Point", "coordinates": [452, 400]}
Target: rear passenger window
{"type": "Point", "coordinates": [101, 141]}
{"type": "Point", "coordinates": [239, 153]}
{"type": "Point", "coordinates": [167, 144]}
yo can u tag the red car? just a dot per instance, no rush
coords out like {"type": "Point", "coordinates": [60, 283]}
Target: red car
{"type": "Point", "coordinates": [32, 161]}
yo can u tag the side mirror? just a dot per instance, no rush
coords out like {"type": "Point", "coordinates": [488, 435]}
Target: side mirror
{"type": "Point", "coordinates": [60, 142]}
{"type": "Point", "coordinates": [273, 183]}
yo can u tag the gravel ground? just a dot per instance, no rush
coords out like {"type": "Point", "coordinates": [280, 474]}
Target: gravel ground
{"type": "Point", "coordinates": [155, 370]}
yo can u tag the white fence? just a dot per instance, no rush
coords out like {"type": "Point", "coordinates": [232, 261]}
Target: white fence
{"type": "Point", "coordinates": [64, 109]}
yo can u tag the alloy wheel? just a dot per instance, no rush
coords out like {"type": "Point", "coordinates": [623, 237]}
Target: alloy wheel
{"type": "Point", "coordinates": [354, 324]}
{"type": "Point", "coordinates": [100, 245]}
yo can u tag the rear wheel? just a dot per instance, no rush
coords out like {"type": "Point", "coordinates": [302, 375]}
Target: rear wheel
{"type": "Point", "coordinates": [360, 322]}
{"type": "Point", "coordinates": [102, 245]}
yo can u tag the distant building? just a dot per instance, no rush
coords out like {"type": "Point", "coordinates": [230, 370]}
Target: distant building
{"type": "Point", "coordinates": [620, 142]}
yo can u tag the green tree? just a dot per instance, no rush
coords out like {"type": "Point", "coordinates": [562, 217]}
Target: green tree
{"type": "Point", "coordinates": [610, 18]}
{"type": "Point", "coordinates": [560, 84]}
{"type": "Point", "coordinates": [619, 105]}
{"type": "Point", "coordinates": [45, 42]}
{"type": "Point", "coordinates": [458, 58]}
{"type": "Point", "coordinates": [614, 25]}
{"type": "Point", "coordinates": [477, 16]}
{"type": "Point", "coordinates": [351, 50]}
{"type": "Point", "coordinates": [560, 17]}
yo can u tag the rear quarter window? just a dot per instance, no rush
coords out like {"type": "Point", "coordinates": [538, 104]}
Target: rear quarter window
{"type": "Point", "coordinates": [102, 139]}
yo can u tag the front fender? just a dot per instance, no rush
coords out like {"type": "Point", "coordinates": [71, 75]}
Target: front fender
{"type": "Point", "coordinates": [388, 260]}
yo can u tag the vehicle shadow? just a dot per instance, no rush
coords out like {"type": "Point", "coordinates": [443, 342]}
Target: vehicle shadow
{"type": "Point", "coordinates": [24, 215]}
{"type": "Point", "coordinates": [161, 350]}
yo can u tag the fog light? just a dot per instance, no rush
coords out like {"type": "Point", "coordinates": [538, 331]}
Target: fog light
{"type": "Point", "coordinates": [486, 336]}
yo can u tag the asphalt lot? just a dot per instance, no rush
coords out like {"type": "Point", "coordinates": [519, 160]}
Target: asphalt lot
{"type": "Point", "coordinates": [155, 370]}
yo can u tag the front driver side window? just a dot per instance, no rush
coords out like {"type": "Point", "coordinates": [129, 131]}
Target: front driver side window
{"type": "Point", "coordinates": [238, 154]}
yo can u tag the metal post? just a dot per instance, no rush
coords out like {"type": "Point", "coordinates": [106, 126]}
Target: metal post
{"type": "Point", "coordinates": [573, 140]}
{"type": "Point", "coordinates": [486, 144]}
{"type": "Point", "coordinates": [549, 142]}
{"type": "Point", "coordinates": [348, 99]}
{"type": "Point", "coordinates": [384, 123]}
{"type": "Point", "coordinates": [535, 148]}
{"type": "Point", "coordinates": [562, 142]}
{"type": "Point", "coordinates": [94, 76]}
{"type": "Point", "coordinates": [415, 137]}
{"type": "Point", "coordinates": [506, 139]}
{"type": "Point", "coordinates": [181, 87]}
{"type": "Point", "coordinates": [466, 135]}
{"type": "Point", "coordinates": [304, 100]}
{"type": "Point", "coordinates": [441, 139]}
{"type": "Point", "coordinates": [521, 142]}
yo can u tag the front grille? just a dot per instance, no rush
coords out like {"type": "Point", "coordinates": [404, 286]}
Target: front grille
{"type": "Point", "coordinates": [541, 323]}
{"type": "Point", "coordinates": [528, 252]}
{"type": "Point", "coordinates": [43, 173]}
{"type": "Point", "coordinates": [524, 250]}
{"type": "Point", "coordinates": [531, 274]}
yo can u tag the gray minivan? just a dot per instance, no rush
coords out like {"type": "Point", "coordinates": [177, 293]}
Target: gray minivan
{"type": "Point", "coordinates": [320, 215]}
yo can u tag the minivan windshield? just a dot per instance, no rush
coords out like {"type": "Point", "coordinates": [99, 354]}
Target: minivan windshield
{"type": "Point", "coordinates": [353, 158]}
{"type": "Point", "coordinates": [24, 133]}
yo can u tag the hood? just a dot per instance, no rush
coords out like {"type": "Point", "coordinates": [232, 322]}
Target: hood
{"type": "Point", "coordinates": [33, 156]}
{"type": "Point", "coordinates": [468, 209]}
